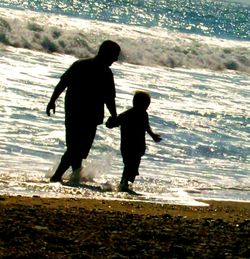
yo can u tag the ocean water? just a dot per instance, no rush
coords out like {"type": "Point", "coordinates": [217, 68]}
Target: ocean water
{"type": "Point", "coordinates": [193, 57]}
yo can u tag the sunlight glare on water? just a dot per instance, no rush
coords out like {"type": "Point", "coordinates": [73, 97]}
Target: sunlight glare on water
{"type": "Point", "coordinates": [202, 116]}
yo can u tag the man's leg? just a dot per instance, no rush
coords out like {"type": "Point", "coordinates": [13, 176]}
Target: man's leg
{"type": "Point", "coordinates": [81, 151]}
{"type": "Point", "coordinates": [76, 165]}
{"type": "Point", "coordinates": [62, 168]}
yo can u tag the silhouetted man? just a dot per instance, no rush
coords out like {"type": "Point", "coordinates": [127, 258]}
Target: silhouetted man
{"type": "Point", "coordinates": [90, 85]}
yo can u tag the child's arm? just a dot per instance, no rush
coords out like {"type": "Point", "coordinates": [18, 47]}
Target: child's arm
{"type": "Point", "coordinates": [155, 137]}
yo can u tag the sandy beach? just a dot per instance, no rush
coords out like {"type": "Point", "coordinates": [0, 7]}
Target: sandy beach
{"type": "Point", "coordinates": [86, 228]}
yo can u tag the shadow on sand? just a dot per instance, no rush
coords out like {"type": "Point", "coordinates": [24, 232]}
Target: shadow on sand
{"type": "Point", "coordinates": [84, 185]}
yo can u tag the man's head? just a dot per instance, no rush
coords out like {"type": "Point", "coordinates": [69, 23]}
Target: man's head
{"type": "Point", "coordinates": [109, 52]}
{"type": "Point", "coordinates": [141, 100]}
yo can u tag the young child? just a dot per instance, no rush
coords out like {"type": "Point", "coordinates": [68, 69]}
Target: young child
{"type": "Point", "coordinates": [133, 124]}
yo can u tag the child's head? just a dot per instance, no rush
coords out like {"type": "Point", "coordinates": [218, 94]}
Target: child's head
{"type": "Point", "coordinates": [141, 100]}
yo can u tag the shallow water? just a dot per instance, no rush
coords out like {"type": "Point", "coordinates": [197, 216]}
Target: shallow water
{"type": "Point", "coordinates": [203, 117]}
{"type": "Point", "coordinates": [192, 56]}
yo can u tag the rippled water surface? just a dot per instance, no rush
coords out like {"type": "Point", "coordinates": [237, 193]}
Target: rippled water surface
{"type": "Point", "coordinates": [202, 116]}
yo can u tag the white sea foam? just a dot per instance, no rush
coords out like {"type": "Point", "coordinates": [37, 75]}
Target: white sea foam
{"type": "Point", "coordinates": [151, 47]}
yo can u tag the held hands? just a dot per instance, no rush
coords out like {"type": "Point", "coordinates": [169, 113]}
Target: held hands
{"type": "Point", "coordinates": [50, 106]}
{"type": "Point", "coordinates": [111, 122]}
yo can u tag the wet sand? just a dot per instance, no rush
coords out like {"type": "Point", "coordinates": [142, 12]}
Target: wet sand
{"type": "Point", "coordinates": [86, 228]}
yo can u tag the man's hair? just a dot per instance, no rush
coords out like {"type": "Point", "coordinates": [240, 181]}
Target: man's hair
{"type": "Point", "coordinates": [109, 47]}
{"type": "Point", "coordinates": [141, 99]}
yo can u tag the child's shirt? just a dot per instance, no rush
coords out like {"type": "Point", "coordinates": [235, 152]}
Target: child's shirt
{"type": "Point", "coordinates": [133, 125]}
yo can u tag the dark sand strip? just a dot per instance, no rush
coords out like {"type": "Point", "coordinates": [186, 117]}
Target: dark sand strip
{"type": "Point", "coordinates": [86, 228]}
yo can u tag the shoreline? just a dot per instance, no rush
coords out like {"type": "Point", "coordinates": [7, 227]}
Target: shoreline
{"type": "Point", "coordinates": [87, 228]}
{"type": "Point", "coordinates": [229, 210]}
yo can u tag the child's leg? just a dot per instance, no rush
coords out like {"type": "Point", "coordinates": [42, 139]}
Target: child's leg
{"type": "Point", "coordinates": [124, 182]}
{"type": "Point", "coordinates": [123, 186]}
{"type": "Point", "coordinates": [130, 171]}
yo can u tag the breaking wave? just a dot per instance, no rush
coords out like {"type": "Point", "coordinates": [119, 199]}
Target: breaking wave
{"type": "Point", "coordinates": [140, 45]}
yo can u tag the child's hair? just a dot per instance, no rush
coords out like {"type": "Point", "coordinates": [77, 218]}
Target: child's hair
{"type": "Point", "coordinates": [141, 100]}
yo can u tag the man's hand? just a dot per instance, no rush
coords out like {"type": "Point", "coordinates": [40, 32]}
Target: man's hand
{"type": "Point", "coordinates": [50, 106]}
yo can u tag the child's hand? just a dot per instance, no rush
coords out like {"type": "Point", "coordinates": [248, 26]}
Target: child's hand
{"type": "Point", "coordinates": [157, 138]}
{"type": "Point", "coordinates": [111, 122]}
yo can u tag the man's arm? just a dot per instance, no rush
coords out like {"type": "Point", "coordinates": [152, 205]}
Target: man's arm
{"type": "Point", "coordinates": [63, 83]}
{"type": "Point", "coordinates": [110, 103]}
{"type": "Point", "coordinates": [112, 121]}
{"type": "Point", "coordinates": [57, 91]}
